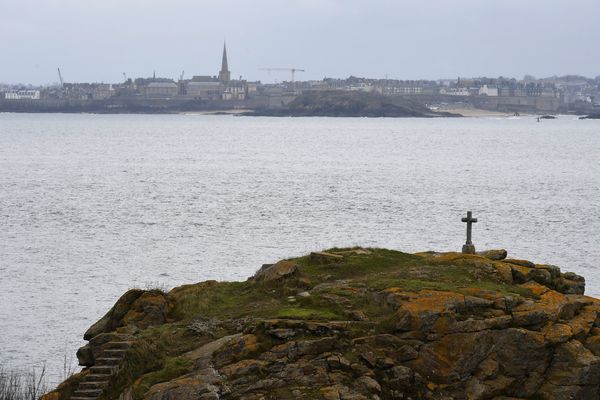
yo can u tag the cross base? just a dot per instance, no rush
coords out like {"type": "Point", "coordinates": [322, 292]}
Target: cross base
{"type": "Point", "coordinates": [468, 249]}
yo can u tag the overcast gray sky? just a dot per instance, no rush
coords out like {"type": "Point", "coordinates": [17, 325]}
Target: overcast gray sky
{"type": "Point", "coordinates": [98, 40]}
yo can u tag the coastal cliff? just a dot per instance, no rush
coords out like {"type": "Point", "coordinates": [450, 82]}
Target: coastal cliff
{"type": "Point", "coordinates": [352, 324]}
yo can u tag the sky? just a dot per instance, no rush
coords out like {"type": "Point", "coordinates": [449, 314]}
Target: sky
{"type": "Point", "coordinates": [100, 40]}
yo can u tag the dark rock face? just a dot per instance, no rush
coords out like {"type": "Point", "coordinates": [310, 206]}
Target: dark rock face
{"type": "Point", "coordinates": [85, 356]}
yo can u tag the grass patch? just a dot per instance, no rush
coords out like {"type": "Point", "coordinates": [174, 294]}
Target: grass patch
{"type": "Point", "coordinates": [172, 368]}
{"type": "Point", "coordinates": [354, 265]}
{"type": "Point", "coordinates": [307, 313]}
{"type": "Point", "coordinates": [218, 300]}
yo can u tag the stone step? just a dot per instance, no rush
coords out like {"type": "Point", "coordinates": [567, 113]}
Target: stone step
{"type": "Point", "coordinates": [97, 377]}
{"type": "Point", "coordinates": [102, 369]}
{"type": "Point", "coordinates": [92, 385]}
{"type": "Point", "coordinates": [118, 345]}
{"type": "Point", "coordinates": [108, 361]}
{"type": "Point", "coordinates": [114, 353]}
{"type": "Point", "coordinates": [87, 393]}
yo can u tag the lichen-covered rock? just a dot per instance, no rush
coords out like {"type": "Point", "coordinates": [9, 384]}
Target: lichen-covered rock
{"type": "Point", "coordinates": [136, 307]}
{"type": "Point", "coordinates": [273, 272]}
{"type": "Point", "coordinates": [114, 317]}
{"type": "Point", "coordinates": [188, 388]}
{"type": "Point", "coordinates": [494, 254]}
{"type": "Point", "coordinates": [149, 309]}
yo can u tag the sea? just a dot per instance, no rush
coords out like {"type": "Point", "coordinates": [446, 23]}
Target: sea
{"type": "Point", "coordinates": [93, 205]}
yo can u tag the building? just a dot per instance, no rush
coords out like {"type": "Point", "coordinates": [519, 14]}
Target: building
{"type": "Point", "coordinates": [235, 91]}
{"type": "Point", "coordinates": [103, 91]}
{"type": "Point", "coordinates": [22, 95]}
{"type": "Point", "coordinates": [221, 87]}
{"type": "Point", "coordinates": [391, 90]}
{"type": "Point", "coordinates": [203, 89]}
{"type": "Point", "coordinates": [161, 89]}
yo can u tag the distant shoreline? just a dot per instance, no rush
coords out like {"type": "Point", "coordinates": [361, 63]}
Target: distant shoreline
{"type": "Point", "coordinates": [327, 103]}
{"type": "Point", "coordinates": [476, 112]}
{"type": "Point", "coordinates": [442, 112]}
{"type": "Point", "coordinates": [456, 113]}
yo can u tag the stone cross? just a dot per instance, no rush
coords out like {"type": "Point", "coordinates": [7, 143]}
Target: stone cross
{"type": "Point", "coordinates": [469, 248]}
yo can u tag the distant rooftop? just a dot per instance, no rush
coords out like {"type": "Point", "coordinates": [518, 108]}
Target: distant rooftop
{"type": "Point", "coordinates": [162, 85]}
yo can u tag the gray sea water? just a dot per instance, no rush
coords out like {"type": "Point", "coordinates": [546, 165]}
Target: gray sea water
{"type": "Point", "coordinates": [91, 205]}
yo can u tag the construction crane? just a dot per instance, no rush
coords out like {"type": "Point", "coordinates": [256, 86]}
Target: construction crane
{"type": "Point", "coordinates": [292, 70]}
{"type": "Point", "coordinates": [62, 83]}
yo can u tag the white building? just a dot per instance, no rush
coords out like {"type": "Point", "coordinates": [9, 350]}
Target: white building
{"type": "Point", "coordinates": [488, 91]}
{"type": "Point", "coordinates": [22, 95]}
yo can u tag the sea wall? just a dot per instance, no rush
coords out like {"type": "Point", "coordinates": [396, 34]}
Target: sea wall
{"type": "Point", "coordinates": [128, 105]}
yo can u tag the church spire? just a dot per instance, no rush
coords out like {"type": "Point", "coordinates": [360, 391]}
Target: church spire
{"type": "Point", "coordinates": [224, 66]}
{"type": "Point", "coordinates": [224, 74]}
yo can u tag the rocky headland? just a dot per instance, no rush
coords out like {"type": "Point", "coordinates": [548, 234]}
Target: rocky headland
{"type": "Point", "coordinates": [352, 324]}
{"type": "Point", "coordinates": [350, 104]}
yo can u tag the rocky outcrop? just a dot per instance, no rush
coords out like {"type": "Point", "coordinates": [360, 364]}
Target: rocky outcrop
{"type": "Point", "coordinates": [273, 272]}
{"type": "Point", "coordinates": [494, 254]}
{"type": "Point", "coordinates": [361, 324]}
{"type": "Point", "coordinates": [350, 104]}
{"type": "Point", "coordinates": [137, 308]}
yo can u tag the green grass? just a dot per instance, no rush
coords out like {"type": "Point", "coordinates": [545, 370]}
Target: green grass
{"type": "Point", "coordinates": [354, 265]}
{"type": "Point", "coordinates": [376, 271]}
{"type": "Point", "coordinates": [172, 368]}
{"type": "Point", "coordinates": [307, 313]}
{"type": "Point", "coordinates": [217, 300]}
{"type": "Point", "coordinates": [371, 272]}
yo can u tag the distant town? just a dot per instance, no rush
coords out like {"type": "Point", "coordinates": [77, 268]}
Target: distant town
{"type": "Point", "coordinates": [564, 94]}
